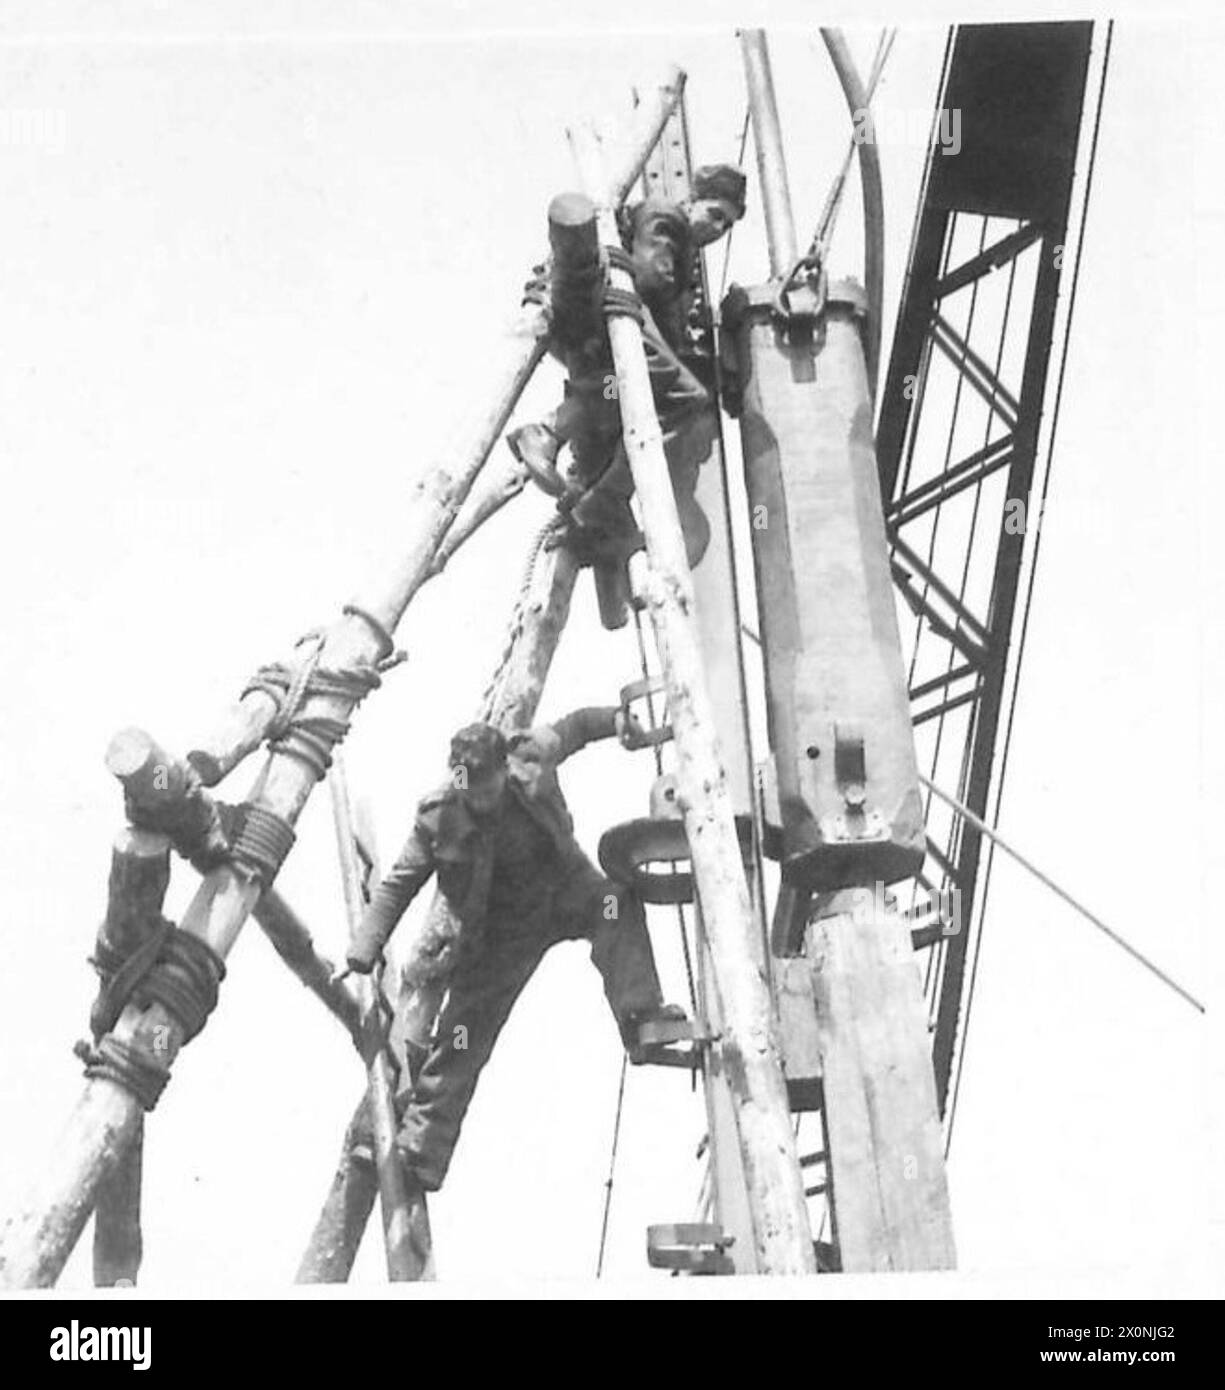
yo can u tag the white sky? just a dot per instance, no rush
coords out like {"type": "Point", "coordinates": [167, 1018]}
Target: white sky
{"type": "Point", "coordinates": [254, 288]}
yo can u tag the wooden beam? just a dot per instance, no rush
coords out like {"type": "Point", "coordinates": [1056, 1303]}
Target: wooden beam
{"type": "Point", "coordinates": [295, 946]}
{"type": "Point", "coordinates": [403, 1211]}
{"type": "Point", "coordinates": [749, 1045]}
{"type": "Point", "coordinates": [140, 874]}
{"type": "Point", "coordinates": [338, 1232]}
{"type": "Point", "coordinates": [768, 143]}
{"type": "Point", "coordinates": [118, 1244]}
{"type": "Point", "coordinates": [886, 1155]}
{"type": "Point", "coordinates": [39, 1238]}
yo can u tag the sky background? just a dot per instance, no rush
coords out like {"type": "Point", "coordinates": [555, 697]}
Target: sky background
{"type": "Point", "coordinates": [252, 274]}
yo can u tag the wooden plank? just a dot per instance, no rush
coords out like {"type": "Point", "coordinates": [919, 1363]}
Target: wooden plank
{"type": "Point", "coordinates": [798, 1032]}
{"type": "Point", "coordinates": [886, 1154]}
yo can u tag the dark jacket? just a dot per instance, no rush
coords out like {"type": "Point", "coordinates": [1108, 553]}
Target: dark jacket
{"type": "Point", "coordinates": [446, 839]}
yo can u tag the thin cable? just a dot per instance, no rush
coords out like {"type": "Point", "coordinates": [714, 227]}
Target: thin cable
{"type": "Point", "coordinates": [819, 246]}
{"type": "Point", "coordinates": [727, 248]}
{"type": "Point", "coordinates": [983, 828]}
{"type": "Point", "coordinates": [612, 1168]}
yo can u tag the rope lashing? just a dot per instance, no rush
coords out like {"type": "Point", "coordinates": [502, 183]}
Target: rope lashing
{"type": "Point", "coordinates": [172, 968]}
{"type": "Point", "coordinates": [260, 840]}
{"type": "Point", "coordinates": [111, 1059]}
{"type": "Point", "coordinates": [311, 738]}
{"type": "Point", "coordinates": [388, 655]}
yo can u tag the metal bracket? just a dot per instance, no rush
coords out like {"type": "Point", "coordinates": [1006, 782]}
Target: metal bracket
{"type": "Point", "coordinates": [691, 1247]}
{"type": "Point", "coordinates": [657, 1043]}
{"type": "Point", "coordinates": [639, 690]}
{"type": "Point", "coordinates": [857, 822]}
{"type": "Point", "coordinates": [800, 298]}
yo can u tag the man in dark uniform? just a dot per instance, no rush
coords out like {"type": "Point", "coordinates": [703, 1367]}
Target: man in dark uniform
{"type": "Point", "coordinates": [595, 495]}
{"type": "Point", "coordinates": [501, 840]}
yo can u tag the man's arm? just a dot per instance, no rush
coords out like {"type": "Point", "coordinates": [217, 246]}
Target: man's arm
{"type": "Point", "coordinates": [390, 900]}
{"type": "Point", "coordinates": [583, 726]}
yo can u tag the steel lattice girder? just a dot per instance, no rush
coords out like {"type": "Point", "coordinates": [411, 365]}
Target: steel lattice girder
{"type": "Point", "coordinates": [1020, 89]}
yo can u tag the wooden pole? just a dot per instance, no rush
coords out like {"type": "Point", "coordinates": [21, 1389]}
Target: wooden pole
{"type": "Point", "coordinates": [329, 1256]}
{"type": "Point", "coordinates": [118, 1245]}
{"type": "Point", "coordinates": [497, 486]}
{"type": "Point", "coordinates": [886, 1155]}
{"type": "Point", "coordinates": [434, 503]}
{"type": "Point", "coordinates": [428, 514]}
{"type": "Point", "coordinates": [295, 946]}
{"type": "Point", "coordinates": [749, 1045]}
{"type": "Point", "coordinates": [768, 143]}
{"type": "Point", "coordinates": [403, 1213]}
{"type": "Point", "coordinates": [39, 1238]}
{"type": "Point", "coordinates": [140, 874]}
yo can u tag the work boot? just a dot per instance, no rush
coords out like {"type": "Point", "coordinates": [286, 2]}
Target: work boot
{"type": "Point", "coordinates": [631, 1029]}
{"type": "Point", "coordinates": [536, 447]}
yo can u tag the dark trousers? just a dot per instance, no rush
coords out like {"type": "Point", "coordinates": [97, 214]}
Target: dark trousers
{"type": "Point", "coordinates": [487, 981]}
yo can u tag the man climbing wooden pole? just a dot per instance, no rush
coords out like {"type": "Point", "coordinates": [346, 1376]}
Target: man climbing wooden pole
{"type": "Point", "coordinates": [749, 1044]}
{"type": "Point", "coordinates": [510, 703]}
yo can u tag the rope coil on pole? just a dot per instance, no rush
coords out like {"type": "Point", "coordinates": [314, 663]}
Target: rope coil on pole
{"type": "Point", "coordinates": [311, 738]}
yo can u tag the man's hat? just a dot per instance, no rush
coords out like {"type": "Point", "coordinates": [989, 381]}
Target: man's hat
{"type": "Point", "coordinates": [721, 181]}
{"type": "Point", "coordinates": [479, 749]}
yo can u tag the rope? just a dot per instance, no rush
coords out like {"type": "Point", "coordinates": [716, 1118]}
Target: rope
{"type": "Point", "coordinates": [983, 828]}
{"type": "Point", "coordinates": [514, 631]}
{"type": "Point", "coordinates": [114, 1060]}
{"type": "Point", "coordinates": [172, 968]}
{"type": "Point", "coordinates": [612, 1166]}
{"type": "Point", "coordinates": [311, 738]}
{"type": "Point", "coordinates": [260, 841]}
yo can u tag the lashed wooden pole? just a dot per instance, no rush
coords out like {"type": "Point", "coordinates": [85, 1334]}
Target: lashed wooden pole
{"type": "Point", "coordinates": [140, 874]}
{"type": "Point", "coordinates": [405, 1223]}
{"type": "Point", "coordinates": [37, 1241]}
{"type": "Point", "coordinates": [749, 1044]}
{"type": "Point", "coordinates": [429, 513]}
